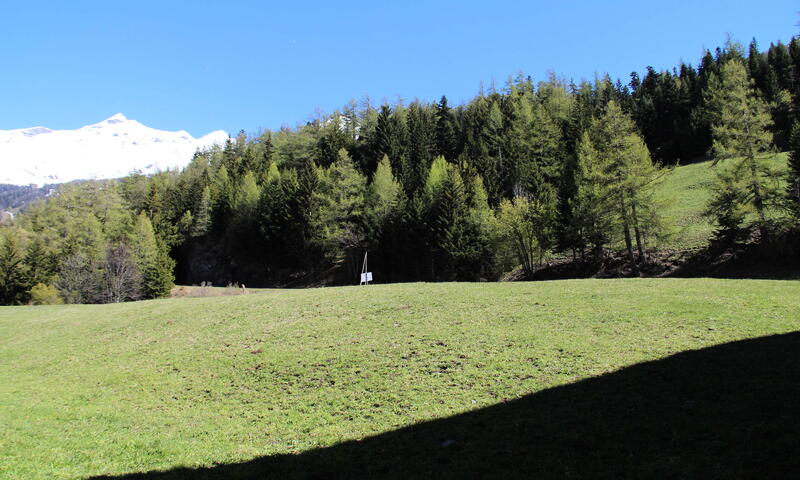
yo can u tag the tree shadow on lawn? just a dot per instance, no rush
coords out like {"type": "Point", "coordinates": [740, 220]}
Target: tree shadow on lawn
{"type": "Point", "coordinates": [728, 411]}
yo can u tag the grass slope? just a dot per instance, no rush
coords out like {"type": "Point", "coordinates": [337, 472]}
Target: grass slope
{"type": "Point", "coordinates": [685, 193]}
{"type": "Point", "coordinates": [435, 380]}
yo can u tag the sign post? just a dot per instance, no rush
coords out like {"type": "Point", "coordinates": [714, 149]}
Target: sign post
{"type": "Point", "coordinates": [366, 276]}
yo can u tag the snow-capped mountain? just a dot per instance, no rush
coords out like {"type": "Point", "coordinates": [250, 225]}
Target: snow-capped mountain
{"type": "Point", "coordinates": [110, 149]}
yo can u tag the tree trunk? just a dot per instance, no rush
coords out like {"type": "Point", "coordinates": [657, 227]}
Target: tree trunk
{"type": "Point", "coordinates": [758, 199]}
{"type": "Point", "coordinates": [628, 243]}
{"type": "Point", "coordinates": [637, 232]}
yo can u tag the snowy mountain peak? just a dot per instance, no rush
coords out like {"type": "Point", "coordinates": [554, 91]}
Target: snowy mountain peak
{"type": "Point", "coordinates": [116, 118]}
{"type": "Point", "coordinates": [111, 148]}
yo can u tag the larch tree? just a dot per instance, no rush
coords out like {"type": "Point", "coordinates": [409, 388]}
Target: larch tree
{"type": "Point", "coordinates": [384, 188]}
{"type": "Point", "coordinates": [741, 136]}
{"type": "Point", "coordinates": [618, 177]}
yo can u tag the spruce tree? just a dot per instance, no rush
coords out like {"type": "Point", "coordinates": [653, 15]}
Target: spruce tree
{"type": "Point", "coordinates": [421, 146]}
{"type": "Point", "coordinates": [446, 140]}
{"type": "Point", "coordinates": [203, 212]}
{"type": "Point", "coordinates": [153, 260]}
{"type": "Point", "coordinates": [41, 266]}
{"type": "Point", "coordinates": [14, 285]}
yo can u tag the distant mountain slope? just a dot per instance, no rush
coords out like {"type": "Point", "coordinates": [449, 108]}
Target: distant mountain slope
{"type": "Point", "coordinates": [15, 197]}
{"type": "Point", "coordinates": [109, 149]}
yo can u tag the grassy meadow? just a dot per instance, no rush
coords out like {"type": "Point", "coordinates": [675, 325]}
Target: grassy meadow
{"type": "Point", "coordinates": [562, 379]}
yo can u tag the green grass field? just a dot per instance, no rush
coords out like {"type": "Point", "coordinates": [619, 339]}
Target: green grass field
{"type": "Point", "coordinates": [684, 193]}
{"type": "Point", "coordinates": [564, 379]}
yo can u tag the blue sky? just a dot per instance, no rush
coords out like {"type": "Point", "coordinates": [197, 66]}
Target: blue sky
{"type": "Point", "coordinates": [202, 66]}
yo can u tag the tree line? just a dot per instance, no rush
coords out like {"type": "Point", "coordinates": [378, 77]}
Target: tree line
{"type": "Point", "coordinates": [432, 191]}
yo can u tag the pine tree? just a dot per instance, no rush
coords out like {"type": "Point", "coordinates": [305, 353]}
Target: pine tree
{"type": "Point", "coordinates": [384, 188]}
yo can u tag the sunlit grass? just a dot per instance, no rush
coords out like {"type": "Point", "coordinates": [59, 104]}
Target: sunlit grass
{"type": "Point", "coordinates": [94, 389]}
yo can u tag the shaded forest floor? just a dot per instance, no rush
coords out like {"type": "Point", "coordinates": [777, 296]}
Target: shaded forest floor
{"type": "Point", "coordinates": [779, 259]}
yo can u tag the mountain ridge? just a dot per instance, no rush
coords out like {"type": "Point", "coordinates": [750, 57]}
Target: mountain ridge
{"type": "Point", "coordinates": [111, 148]}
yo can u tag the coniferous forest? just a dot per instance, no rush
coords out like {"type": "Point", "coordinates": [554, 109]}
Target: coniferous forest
{"type": "Point", "coordinates": [524, 172]}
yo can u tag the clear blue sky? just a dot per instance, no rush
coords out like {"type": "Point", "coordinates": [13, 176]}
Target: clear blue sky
{"type": "Point", "coordinates": [233, 65]}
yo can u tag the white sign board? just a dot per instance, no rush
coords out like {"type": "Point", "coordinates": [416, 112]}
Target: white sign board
{"type": "Point", "coordinates": [366, 277]}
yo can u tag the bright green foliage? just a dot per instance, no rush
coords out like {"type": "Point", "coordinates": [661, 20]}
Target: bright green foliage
{"type": "Point", "coordinates": [273, 174]}
{"type": "Point", "coordinates": [525, 227]}
{"type": "Point", "coordinates": [593, 214]}
{"type": "Point", "coordinates": [740, 126]}
{"type": "Point", "coordinates": [81, 217]}
{"type": "Point", "coordinates": [384, 188]}
{"type": "Point", "coordinates": [436, 175]}
{"type": "Point", "coordinates": [42, 294]}
{"type": "Point", "coordinates": [615, 185]}
{"type": "Point", "coordinates": [342, 197]}
{"type": "Point", "coordinates": [85, 239]}
{"type": "Point", "coordinates": [246, 197]}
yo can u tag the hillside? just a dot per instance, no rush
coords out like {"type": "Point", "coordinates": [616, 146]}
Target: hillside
{"type": "Point", "coordinates": [580, 378]}
{"type": "Point", "coordinates": [685, 193]}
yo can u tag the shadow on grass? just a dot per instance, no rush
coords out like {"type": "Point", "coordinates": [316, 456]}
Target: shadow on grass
{"type": "Point", "coordinates": [728, 411]}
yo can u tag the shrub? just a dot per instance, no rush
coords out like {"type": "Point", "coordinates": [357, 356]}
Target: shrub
{"type": "Point", "coordinates": [42, 294]}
